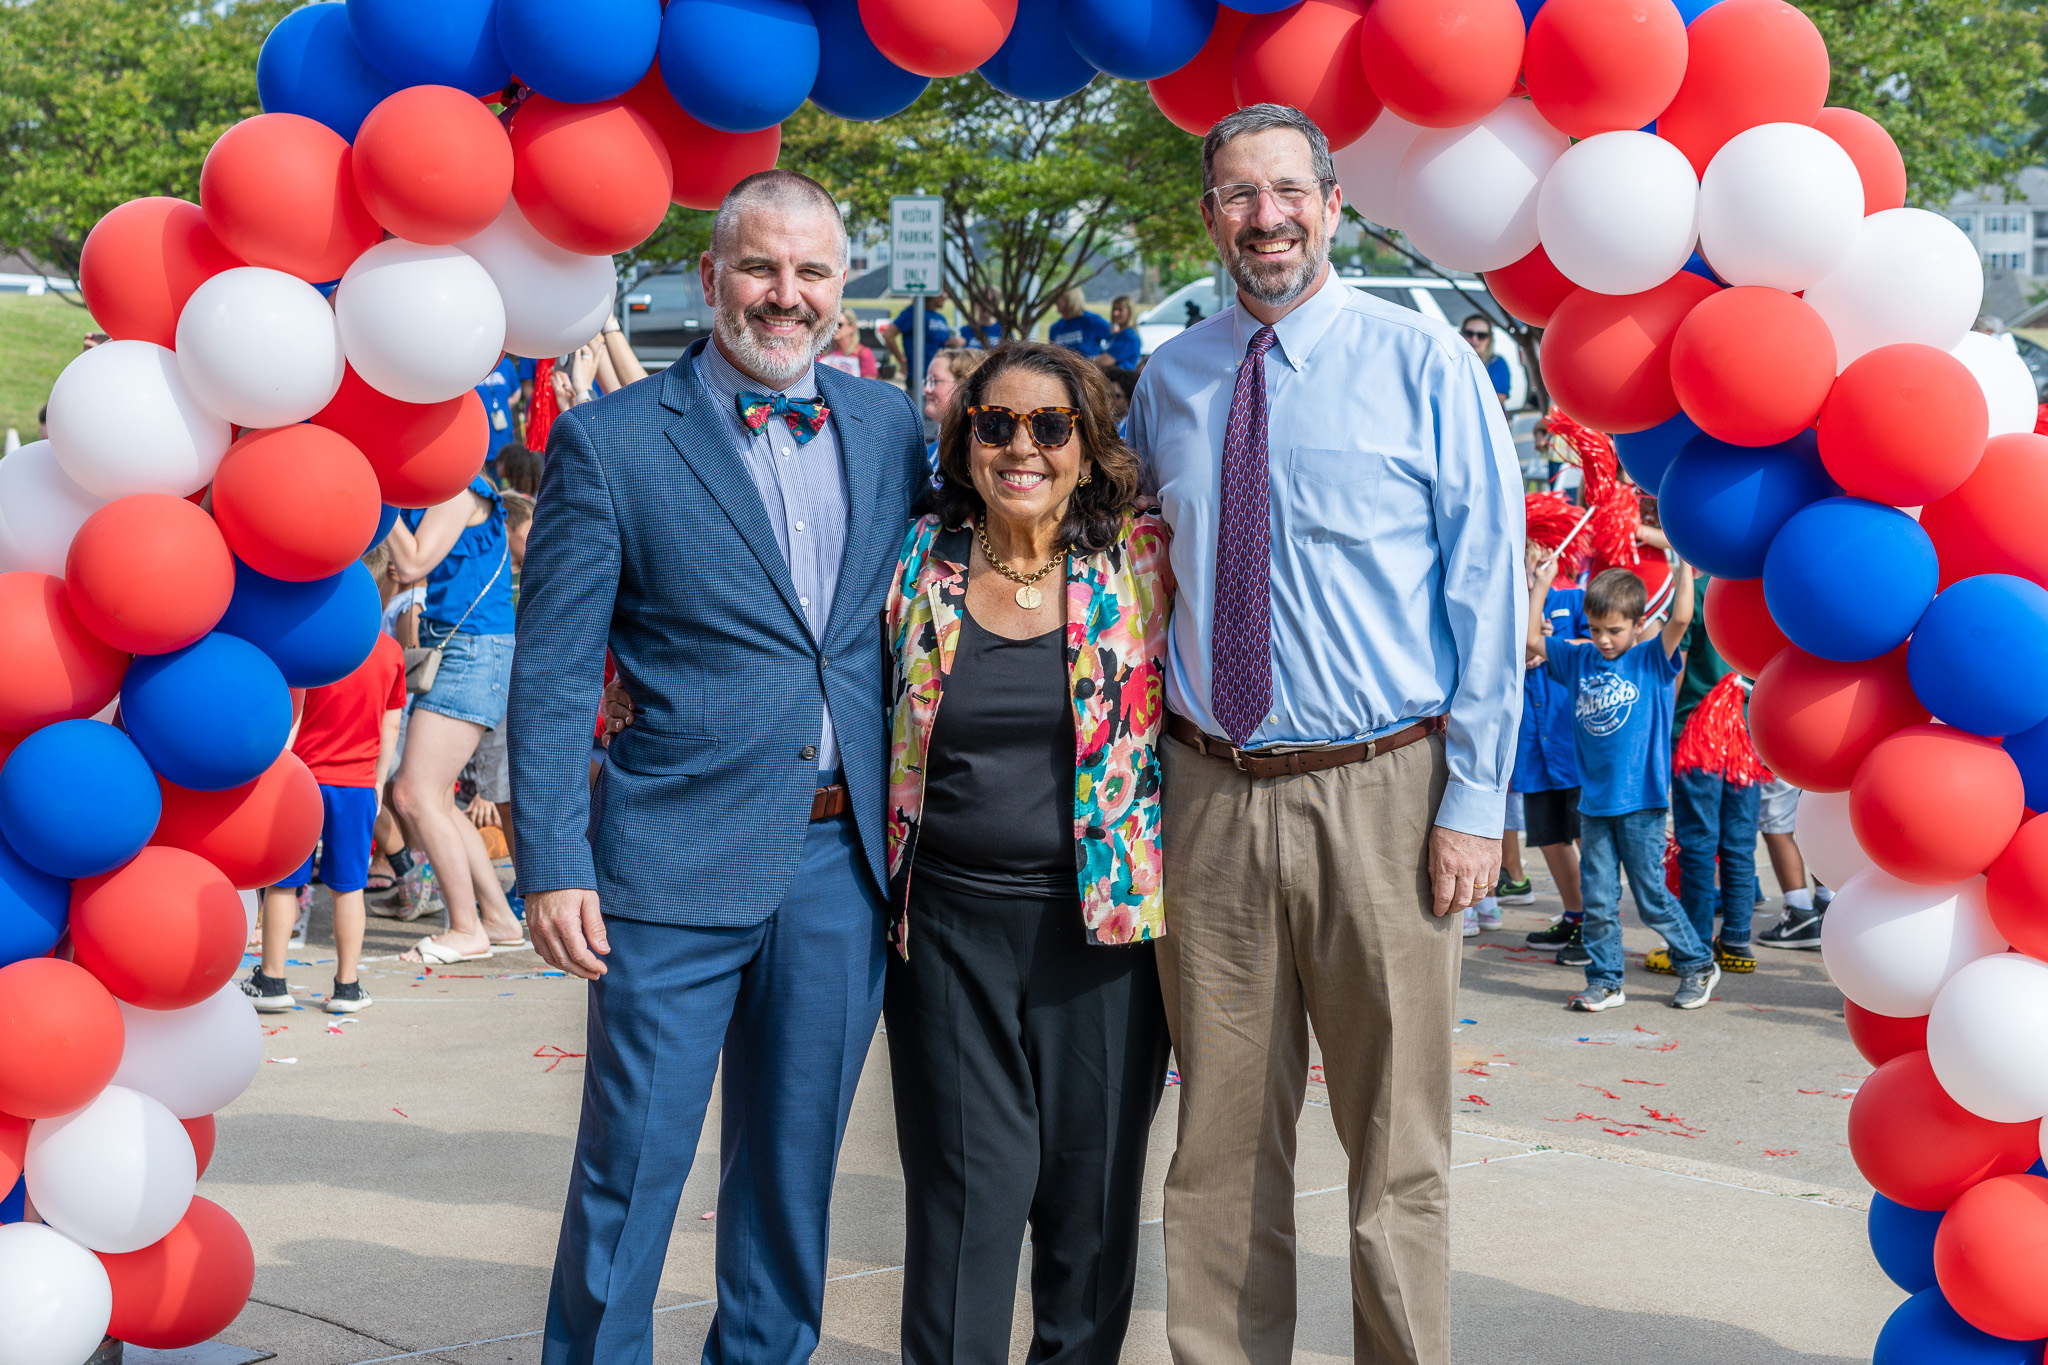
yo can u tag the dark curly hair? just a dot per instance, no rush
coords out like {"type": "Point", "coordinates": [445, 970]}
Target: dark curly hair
{"type": "Point", "coordinates": [1096, 509]}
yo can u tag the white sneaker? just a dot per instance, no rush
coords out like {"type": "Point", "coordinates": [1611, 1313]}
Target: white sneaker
{"type": "Point", "coordinates": [1471, 924]}
{"type": "Point", "coordinates": [1489, 914]}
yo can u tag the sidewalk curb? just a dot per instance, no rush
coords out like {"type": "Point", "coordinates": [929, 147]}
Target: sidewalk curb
{"type": "Point", "coordinates": [1715, 1172]}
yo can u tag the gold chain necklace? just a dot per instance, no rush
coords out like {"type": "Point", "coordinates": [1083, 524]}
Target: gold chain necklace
{"type": "Point", "coordinates": [1028, 595]}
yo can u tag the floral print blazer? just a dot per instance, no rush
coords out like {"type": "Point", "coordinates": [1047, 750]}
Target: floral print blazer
{"type": "Point", "coordinates": [1117, 606]}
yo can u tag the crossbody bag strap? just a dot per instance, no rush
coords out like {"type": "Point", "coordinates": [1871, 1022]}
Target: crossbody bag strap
{"type": "Point", "coordinates": [505, 559]}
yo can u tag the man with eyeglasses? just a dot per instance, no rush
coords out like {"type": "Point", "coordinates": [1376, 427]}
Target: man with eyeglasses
{"type": "Point", "coordinates": [1344, 683]}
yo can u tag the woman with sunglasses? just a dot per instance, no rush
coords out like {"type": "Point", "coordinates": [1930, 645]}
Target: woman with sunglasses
{"type": "Point", "coordinates": [1027, 1040]}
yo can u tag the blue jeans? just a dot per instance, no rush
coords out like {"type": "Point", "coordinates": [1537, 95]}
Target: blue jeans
{"type": "Point", "coordinates": [1712, 818]}
{"type": "Point", "coordinates": [1608, 844]}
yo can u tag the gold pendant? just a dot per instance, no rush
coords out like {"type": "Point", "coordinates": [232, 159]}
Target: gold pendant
{"type": "Point", "coordinates": [1029, 597]}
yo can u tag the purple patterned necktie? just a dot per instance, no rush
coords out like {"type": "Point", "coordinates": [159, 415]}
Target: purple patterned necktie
{"type": "Point", "coordinates": [1241, 681]}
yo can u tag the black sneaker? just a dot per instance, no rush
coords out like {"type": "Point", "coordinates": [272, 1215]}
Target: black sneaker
{"type": "Point", "coordinates": [1796, 929]}
{"type": "Point", "coordinates": [272, 994]}
{"type": "Point", "coordinates": [1556, 936]}
{"type": "Point", "coordinates": [1593, 999]}
{"type": "Point", "coordinates": [1734, 957]}
{"type": "Point", "coordinates": [1696, 988]}
{"type": "Point", "coordinates": [347, 999]}
{"type": "Point", "coordinates": [1521, 892]}
{"type": "Point", "coordinates": [1573, 953]}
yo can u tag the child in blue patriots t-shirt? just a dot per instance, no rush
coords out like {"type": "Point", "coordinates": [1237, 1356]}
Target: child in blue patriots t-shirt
{"type": "Point", "coordinates": [1622, 690]}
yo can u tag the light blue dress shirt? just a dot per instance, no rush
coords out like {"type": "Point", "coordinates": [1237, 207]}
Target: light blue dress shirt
{"type": "Point", "coordinates": [803, 489]}
{"type": "Point", "coordinates": [1397, 526]}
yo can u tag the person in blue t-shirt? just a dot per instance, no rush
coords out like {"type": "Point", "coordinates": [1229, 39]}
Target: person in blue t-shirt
{"type": "Point", "coordinates": [1547, 770]}
{"type": "Point", "coordinates": [501, 392]}
{"type": "Point", "coordinates": [897, 335]}
{"type": "Point", "coordinates": [1478, 329]}
{"type": "Point", "coordinates": [1125, 345]}
{"type": "Point", "coordinates": [1078, 329]}
{"type": "Point", "coordinates": [1622, 692]}
{"type": "Point", "coordinates": [983, 334]}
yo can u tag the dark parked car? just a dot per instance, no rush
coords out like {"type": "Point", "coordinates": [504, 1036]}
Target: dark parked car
{"type": "Point", "coordinates": [665, 314]}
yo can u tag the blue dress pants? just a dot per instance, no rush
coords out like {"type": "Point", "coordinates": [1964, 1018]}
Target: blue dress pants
{"type": "Point", "coordinates": [791, 1003]}
{"type": "Point", "coordinates": [1712, 818]}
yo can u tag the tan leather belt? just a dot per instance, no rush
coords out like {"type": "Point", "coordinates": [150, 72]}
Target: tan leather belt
{"type": "Point", "coordinates": [1266, 763]}
{"type": "Point", "coordinates": [831, 801]}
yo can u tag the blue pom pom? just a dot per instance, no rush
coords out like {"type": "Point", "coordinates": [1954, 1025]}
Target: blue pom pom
{"type": "Point", "coordinates": [1647, 454]}
{"type": "Point", "coordinates": [316, 633]}
{"type": "Point", "coordinates": [77, 799]}
{"type": "Point", "coordinates": [1902, 1239]}
{"type": "Point", "coordinates": [1136, 40]}
{"type": "Point", "coordinates": [310, 66]}
{"type": "Point", "coordinates": [739, 65]}
{"type": "Point", "coordinates": [433, 42]}
{"type": "Point", "coordinates": [1037, 61]}
{"type": "Point", "coordinates": [1924, 1330]}
{"type": "Point", "coordinates": [585, 53]}
{"type": "Point", "coordinates": [1722, 505]}
{"type": "Point", "coordinates": [1847, 579]}
{"type": "Point", "coordinates": [210, 716]}
{"type": "Point", "coordinates": [1980, 652]}
{"type": "Point", "coordinates": [34, 907]}
{"type": "Point", "coordinates": [858, 83]}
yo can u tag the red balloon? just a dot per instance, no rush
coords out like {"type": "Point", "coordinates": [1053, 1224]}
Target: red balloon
{"type": "Point", "coordinates": [1879, 1037]}
{"type": "Point", "coordinates": [938, 37]}
{"type": "Point", "coordinates": [1904, 424]}
{"type": "Point", "coordinates": [1196, 96]}
{"type": "Point", "coordinates": [1442, 63]}
{"type": "Point", "coordinates": [13, 1149]}
{"type": "Point", "coordinates": [140, 263]}
{"type": "Point", "coordinates": [296, 503]}
{"type": "Point", "coordinates": [1933, 804]}
{"type": "Point", "coordinates": [1531, 288]}
{"type": "Point", "coordinates": [163, 932]}
{"type": "Point", "coordinates": [1601, 66]}
{"type": "Point", "coordinates": [421, 453]}
{"type": "Point", "coordinates": [1752, 366]}
{"type": "Point", "coordinates": [254, 834]}
{"type": "Point", "coordinates": [201, 1131]}
{"type": "Point", "coordinates": [432, 164]}
{"type": "Point", "coordinates": [704, 163]}
{"type": "Point", "coordinates": [1607, 357]}
{"type": "Point", "coordinates": [1748, 62]}
{"type": "Point", "coordinates": [56, 668]}
{"type": "Point", "coordinates": [1922, 1149]}
{"type": "Point", "coordinates": [2017, 884]}
{"type": "Point", "coordinates": [187, 1286]}
{"type": "Point", "coordinates": [1877, 157]}
{"type": "Point", "coordinates": [149, 573]}
{"type": "Point", "coordinates": [64, 1037]}
{"type": "Point", "coordinates": [1991, 1256]}
{"type": "Point", "coordinates": [591, 178]}
{"type": "Point", "coordinates": [278, 192]}
{"type": "Point", "coordinates": [1813, 720]}
{"type": "Point", "coordinates": [1992, 523]}
{"type": "Point", "coordinates": [1739, 625]}
{"type": "Point", "coordinates": [1307, 56]}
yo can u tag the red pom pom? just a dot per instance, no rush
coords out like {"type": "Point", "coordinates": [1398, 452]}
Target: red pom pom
{"type": "Point", "coordinates": [1716, 738]}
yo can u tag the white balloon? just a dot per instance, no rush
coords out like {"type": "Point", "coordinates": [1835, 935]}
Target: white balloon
{"type": "Point", "coordinates": [555, 300]}
{"type": "Point", "coordinates": [1466, 196]}
{"type": "Point", "coordinates": [41, 509]}
{"type": "Point", "coordinates": [1891, 946]}
{"type": "Point", "coordinates": [422, 324]}
{"type": "Point", "coordinates": [1821, 829]}
{"type": "Point", "coordinates": [195, 1060]}
{"type": "Point", "coordinates": [1369, 167]}
{"type": "Point", "coordinates": [1619, 212]}
{"type": "Point", "coordinates": [116, 1175]}
{"type": "Point", "coordinates": [55, 1297]}
{"type": "Point", "coordinates": [122, 420]}
{"type": "Point", "coordinates": [1910, 275]}
{"type": "Point", "coordinates": [2007, 382]}
{"type": "Point", "coordinates": [1779, 206]}
{"type": "Point", "coordinates": [1984, 1038]}
{"type": "Point", "coordinates": [259, 347]}
{"type": "Point", "coordinates": [251, 902]}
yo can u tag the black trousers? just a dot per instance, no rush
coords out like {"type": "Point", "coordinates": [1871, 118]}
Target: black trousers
{"type": "Point", "coordinates": [1028, 1065]}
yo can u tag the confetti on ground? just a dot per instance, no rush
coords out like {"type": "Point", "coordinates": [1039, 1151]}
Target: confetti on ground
{"type": "Point", "coordinates": [1627, 1081]}
{"type": "Point", "coordinates": [1479, 1070]}
{"type": "Point", "coordinates": [1316, 1076]}
{"type": "Point", "coordinates": [1468, 1021]}
{"type": "Point", "coordinates": [1781, 1151]}
{"type": "Point", "coordinates": [282, 1061]}
{"type": "Point", "coordinates": [1813, 1092]}
{"type": "Point", "coordinates": [1172, 1077]}
{"type": "Point", "coordinates": [1661, 1047]}
{"type": "Point", "coordinates": [1652, 1032]}
{"type": "Point", "coordinates": [1618, 1132]}
{"type": "Point", "coordinates": [1474, 1099]}
{"type": "Point", "coordinates": [400, 1112]}
{"type": "Point", "coordinates": [1760, 1009]}
{"type": "Point", "coordinates": [1598, 1042]}
{"type": "Point", "coordinates": [707, 1217]}
{"type": "Point", "coordinates": [550, 1050]}
{"type": "Point", "coordinates": [279, 1029]}
{"type": "Point", "coordinates": [1607, 1093]}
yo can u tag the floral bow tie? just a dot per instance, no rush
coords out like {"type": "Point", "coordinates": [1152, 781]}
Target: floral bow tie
{"type": "Point", "coordinates": [806, 416]}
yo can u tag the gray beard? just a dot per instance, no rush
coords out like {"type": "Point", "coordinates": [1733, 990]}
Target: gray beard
{"type": "Point", "coordinates": [777, 364]}
{"type": "Point", "coordinates": [1277, 291]}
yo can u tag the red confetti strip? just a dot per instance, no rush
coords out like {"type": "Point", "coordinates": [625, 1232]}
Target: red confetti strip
{"type": "Point", "coordinates": [279, 1029]}
{"type": "Point", "coordinates": [1781, 1151]}
{"type": "Point", "coordinates": [1474, 1071]}
{"type": "Point", "coordinates": [1474, 1099]}
{"type": "Point", "coordinates": [1652, 1032]}
{"type": "Point", "coordinates": [1627, 1081]}
{"type": "Point", "coordinates": [400, 1112]}
{"type": "Point", "coordinates": [550, 1050]}
{"type": "Point", "coordinates": [1607, 1093]}
{"type": "Point", "coordinates": [1618, 1132]}
{"type": "Point", "coordinates": [1661, 1047]}
{"type": "Point", "coordinates": [1760, 1009]}
{"type": "Point", "coordinates": [1813, 1092]}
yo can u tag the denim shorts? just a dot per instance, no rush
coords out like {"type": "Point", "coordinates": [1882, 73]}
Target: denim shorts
{"type": "Point", "coordinates": [474, 678]}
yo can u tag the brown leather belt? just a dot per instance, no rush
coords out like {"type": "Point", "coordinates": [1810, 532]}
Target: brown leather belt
{"type": "Point", "coordinates": [831, 801]}
{"type": "Point", "coordinates": [1266, 763]}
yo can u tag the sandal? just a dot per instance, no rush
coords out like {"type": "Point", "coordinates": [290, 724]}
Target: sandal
{"type": "Point", "coordinates": [438, 955]}
{"type": "Point", "coordinates": [379, 883]}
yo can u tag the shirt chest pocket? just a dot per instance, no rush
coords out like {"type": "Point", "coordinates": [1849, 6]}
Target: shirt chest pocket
{"type": "Point", "coordinates": [1332, 495]}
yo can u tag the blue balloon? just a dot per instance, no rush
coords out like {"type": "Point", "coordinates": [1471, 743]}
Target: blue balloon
{"type": "Point", "coordinates": [77, 799]}
{"type": "Point", "coordinates": [386, 519]}
{"type": "Point", "coordinates": [210, 716]}
{"type": "Point", "coordinates": [1137, 40]}
{"type": "Point", "coordinates": [1980, 652]}
{"type": "Point", "coordinates": [1723, 504]}
{"type": "Point", "coordinates": [1847, 579]}
{"type": "Point", "coordinates": [1528, 8]}
{"type": "Point", "coordinates": [316, 633]}
{"type": "Point", "coordinates": [584, 53]}
{"type": "Point", "coordinates": [1690, 10]}
{"type": "Point", "coordinates": [1902, 1239]}
{"type": "Point", "coordinates": [739, 65]}
{"type": "Point", "coordinates": [1037, 62]}
{"type": "Point", "coordinates": [14, 1205]}
{"type": "Point", "coordinates": [859, 83]}
{"type": "Point", "coordinates": [34, 907]}
{"type": "Point", "coordinates": [1262, 6]}
{"type": "Point", "coordinates": [1924, 1330]}
{"type": "Point", "coordinates": [433, 42]}
{"type": "Point", "coordinates": [1697, 264]}
{"type": "Point", "coordinates": [310, 65]}
{"type": "Point", "coordinates": [1647, 454]}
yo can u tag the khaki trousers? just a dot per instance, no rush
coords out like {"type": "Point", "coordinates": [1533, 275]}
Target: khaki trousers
{"type": "Point", "coordinates": [1295, 902]}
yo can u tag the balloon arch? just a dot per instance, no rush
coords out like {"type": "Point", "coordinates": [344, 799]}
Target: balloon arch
{"type": "Point", "coordinates": [1730, 284]}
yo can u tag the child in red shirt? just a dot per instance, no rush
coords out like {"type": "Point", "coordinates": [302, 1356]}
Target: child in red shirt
{"type": "Point", "coordinates": [347, 734]}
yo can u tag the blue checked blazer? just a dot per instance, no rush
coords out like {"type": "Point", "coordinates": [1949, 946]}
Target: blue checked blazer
{"type": "Point", "coordinates": [650, 537]}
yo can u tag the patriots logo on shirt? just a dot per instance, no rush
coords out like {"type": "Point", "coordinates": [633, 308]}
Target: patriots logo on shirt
{"type": "Point", "coordinates": [1603, 703]}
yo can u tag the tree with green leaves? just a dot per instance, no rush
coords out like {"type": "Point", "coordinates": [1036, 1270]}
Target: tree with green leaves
{"type": "Point", "coordinates": [103, 101]}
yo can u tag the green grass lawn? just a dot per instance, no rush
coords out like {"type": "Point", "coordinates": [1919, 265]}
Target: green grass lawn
{"type": "Point", "coordinates": [38, 337]}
